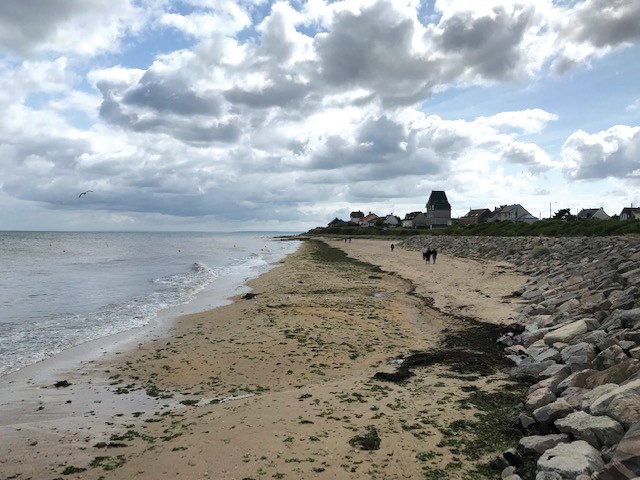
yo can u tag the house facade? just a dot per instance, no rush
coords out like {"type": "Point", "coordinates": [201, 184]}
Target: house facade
{"type": "Point", "coordinates": [630, 213]}
{"type": "Point", "coordinates": [414, 220]}
{"type": "Point", "coordinates": [593, 213]}
{"type": "Point", "coordinates": [512, 213]}
{"type": "Point", "coordinates": [474, 216]}
{"type": "Point", "coordinates": [369, 220]}
{"type": "Point", "coordinates": [438, 210]}
{"type": "Point", "coordinates": [391, 221]}
{"type": "Point", "coordinates": [355, 217]}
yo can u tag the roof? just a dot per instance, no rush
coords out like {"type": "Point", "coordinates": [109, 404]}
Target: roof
{"type": "Point", "coordinates": [357, 214]}
{"type": "Point", "coordinates": [438, 199]}
{"type": "Point", "coordinates": [412, 215]}
{"type": "Point", "coordinates": [477, 212]}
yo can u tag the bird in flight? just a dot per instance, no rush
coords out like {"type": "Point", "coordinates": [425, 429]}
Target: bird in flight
{"type": "Point", "coordinates": [84, 193]}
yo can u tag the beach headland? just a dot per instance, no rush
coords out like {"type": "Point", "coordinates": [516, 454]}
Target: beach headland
{"type": "Point", "coordinates": [292, 380]}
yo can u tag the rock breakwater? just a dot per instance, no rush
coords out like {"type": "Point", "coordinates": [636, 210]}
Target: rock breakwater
{"type": "Point", "coordinates": [580, 348]}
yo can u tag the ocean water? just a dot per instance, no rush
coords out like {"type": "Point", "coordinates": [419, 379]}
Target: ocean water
{"type": "Point", "coordinates": [61, 289]}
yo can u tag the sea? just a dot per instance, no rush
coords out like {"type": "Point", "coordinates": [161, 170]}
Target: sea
{"type": "Point", "coordinates": [63, 289]}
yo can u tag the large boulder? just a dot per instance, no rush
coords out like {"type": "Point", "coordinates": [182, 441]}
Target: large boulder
{"type": "Point", "coordinates": [598, 432]}
{"type": "Point", "coordinates": [549, 413]}
{"type": "Point", "coordinates": [571, 459]}
{"type": "Point", "coordinates": [600, 405]}
{"type": "Point", "coordinates": [625, 409]}
{"type": "Point", "coordinates": [615, 374]}
{"type": "Point", "coordinates": [567, 332]}
{"type": "Point", "coordinates": [592, 395]}
{"type": "Point", "coordinates": [579, 356]}
{"type": "Point", "coordinates": [628, 450]}
{"type": "Point", "coordinates": [539, 398]}
{"type": "Point", "coordinates": [610, 357]}
{"type": "Point", "coordinates": [538, 444]}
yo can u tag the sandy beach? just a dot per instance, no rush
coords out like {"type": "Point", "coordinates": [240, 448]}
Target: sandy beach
{"type": "Point", "coordinates": [279, 384]}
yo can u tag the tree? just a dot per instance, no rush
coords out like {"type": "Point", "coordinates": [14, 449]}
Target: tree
{"type": "Point", "coordinates": [564, 214]}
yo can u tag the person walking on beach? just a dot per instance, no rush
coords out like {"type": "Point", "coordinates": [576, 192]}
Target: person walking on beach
{"type": "Point", "coordinates": [424, 252]}
{"type": "Point", "coordinates": [434, 254]}
{"type": "Point", "coordinates": [428, 255]}
{"type": "Point", "coordinates": [392, 247]}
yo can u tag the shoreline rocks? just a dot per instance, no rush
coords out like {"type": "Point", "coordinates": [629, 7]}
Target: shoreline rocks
{"type": "Point", "coordinates": [580, 309]}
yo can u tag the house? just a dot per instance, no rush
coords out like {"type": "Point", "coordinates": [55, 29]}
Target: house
{"type": "Point", "coordinates": [476, 216]}
{"type": "Point", "coordinates": [438, 210]}
{"type": "Point", "coordinates": [513, 213]}
{"type": "Point", "coordinates": [592, 213]}
{"type": "Point", "coordinates": [336, 222]}
{"type": "Point", "coordinates": [355, 217]}
{"type": "Point", "coordinates": [369, 220]}
{"type": "Point", "coordinates": [630, 213]}
{"type": "Point", "coordinates": [391, 221]}
{"type": "Point", "coordinates": [414, 220]}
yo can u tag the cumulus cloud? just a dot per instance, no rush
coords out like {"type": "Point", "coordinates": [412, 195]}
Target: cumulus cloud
{"type": "Point", "coordinates": [74, 26]}
{"type": "Point", "coordinates": [286, 106]}
{"type": "Point", "coordinates": [610, 153]}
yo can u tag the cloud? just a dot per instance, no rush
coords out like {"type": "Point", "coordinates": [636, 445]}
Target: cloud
{"type": "Point", "coordinates": [592, 28]}
{"type": "Point", "coordinates": [77, 27]}
{"type": "Point", "coordinates": [610, 153]}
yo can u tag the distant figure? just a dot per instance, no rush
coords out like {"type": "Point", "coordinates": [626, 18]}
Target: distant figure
{"type": "Point", "coordinates": [345, 239]}
{"type": "Point", "coordinates": [434, 254]}
{"type": "Point", "coordinates": [424, 252]}
{"type": "Point", "coordinates": [428, 255]}
{"type": "Point", "coordinates": [392, 247]}
{"type": "Point", "coordinates": [349, 239]}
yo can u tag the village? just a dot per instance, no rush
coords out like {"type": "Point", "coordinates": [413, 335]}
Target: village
{"type": "Point", "coordinates": [438, 215]}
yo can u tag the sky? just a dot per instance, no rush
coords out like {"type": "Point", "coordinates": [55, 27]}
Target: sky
{"type": "Point", "coordinates": [229, 115]}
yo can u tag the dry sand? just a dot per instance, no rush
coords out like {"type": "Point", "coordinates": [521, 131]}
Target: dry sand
{"type": "Point", "coordinates": [274, 386]}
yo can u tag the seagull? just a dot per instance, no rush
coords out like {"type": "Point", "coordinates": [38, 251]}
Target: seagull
{"type": "Point", "coordinates": [84, 193]}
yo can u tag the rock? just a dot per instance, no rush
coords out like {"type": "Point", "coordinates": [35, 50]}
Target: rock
{"type": "Point", "coordinates": [574, 396]}
{"type": "Point", "coordinates": [539, 398]}
{"type": "Point", "coordinates": [524, 422]}
{"type": "Point", "coordinates": [507, 472]}
{"type": "Point", "coordinates": [598, 432]}
{"type": "Point", "coordinates": [567, 332]}
{"type": "Point", "coordinates": [569, 460]}
{"type": "Point", "coordinates": [579, 356]}
{"type": "Point", "coordinates": [553, 411]}
{"type": "Point", "coordinates": [591, 395]}
{"type": "Point", "coordinates": [577, 379]}
{"type": "Point", "coordinates": [615, 374]}
{"type": "Point", "coordinates": [548, 476]}
{"type": "Point", "coordinates": [625, 409]}
{"type": "Point", "coordinates": [538, 444]}
{"type": "Point", "coordinates": [609, 357]}
{"type": "Point", "coordinates": [628, 450]}
{"type": "Point", "coordinates": [615, 471]}
{"type": "Point", "coordinates": [600, 405]}
{"type": "Point", "coordinates": [528, 368]}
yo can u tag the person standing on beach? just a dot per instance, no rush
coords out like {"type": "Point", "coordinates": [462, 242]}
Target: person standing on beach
{"type": "Point", "coordinates": [424, 252]}
{"type": "Point", "coordinates": [392, 247]}
{"type": "Point", "coordinates": [434, 254]}
{"type": "Point", "coordinates": [428, 255]}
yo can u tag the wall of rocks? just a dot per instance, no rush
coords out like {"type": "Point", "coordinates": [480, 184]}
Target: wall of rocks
{"type": "Point", "coordinates": [580, 346]}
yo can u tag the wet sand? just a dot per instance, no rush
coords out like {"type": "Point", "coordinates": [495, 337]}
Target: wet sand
{"type": "Point", "coordinates": [273, 386]}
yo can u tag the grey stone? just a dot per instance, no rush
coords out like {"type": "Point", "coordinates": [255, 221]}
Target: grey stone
{"type": "Point", "coordinates": [609, 357]}
{"type": "Point", "coordinates": [625, 409]}
{"type": "Point", "coordinates": [574, 396]}
{"type": "Point", "coordinates": [548, 476]}
{"type": "Point", "coordinates": [598, 432]}
{"type": "Point", "coordinates": [579, 356]}
{"type": "Point", "coordinates": [567, 332]}
{"type": "Point", "coordinates": [540, 443]}
{"type": "Point", "coordinates": [595, 393]}
{"type": "Point", "coordinates": [549, 413]}
{"type": "Point", "coordinates": [615, 471]}
{"type": "Point", "coordinates": [615, 374]}
{"type": "Point", "coordinates": [628, 450]}
{"type": "Point", "coordinates": [576, 379]}
{"type": "Point", "coordinates": [508, 472]}
{"type": "Point", "coordinates": [599, 406]}
{"type": "Point", "coordinates": [571, 459]}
